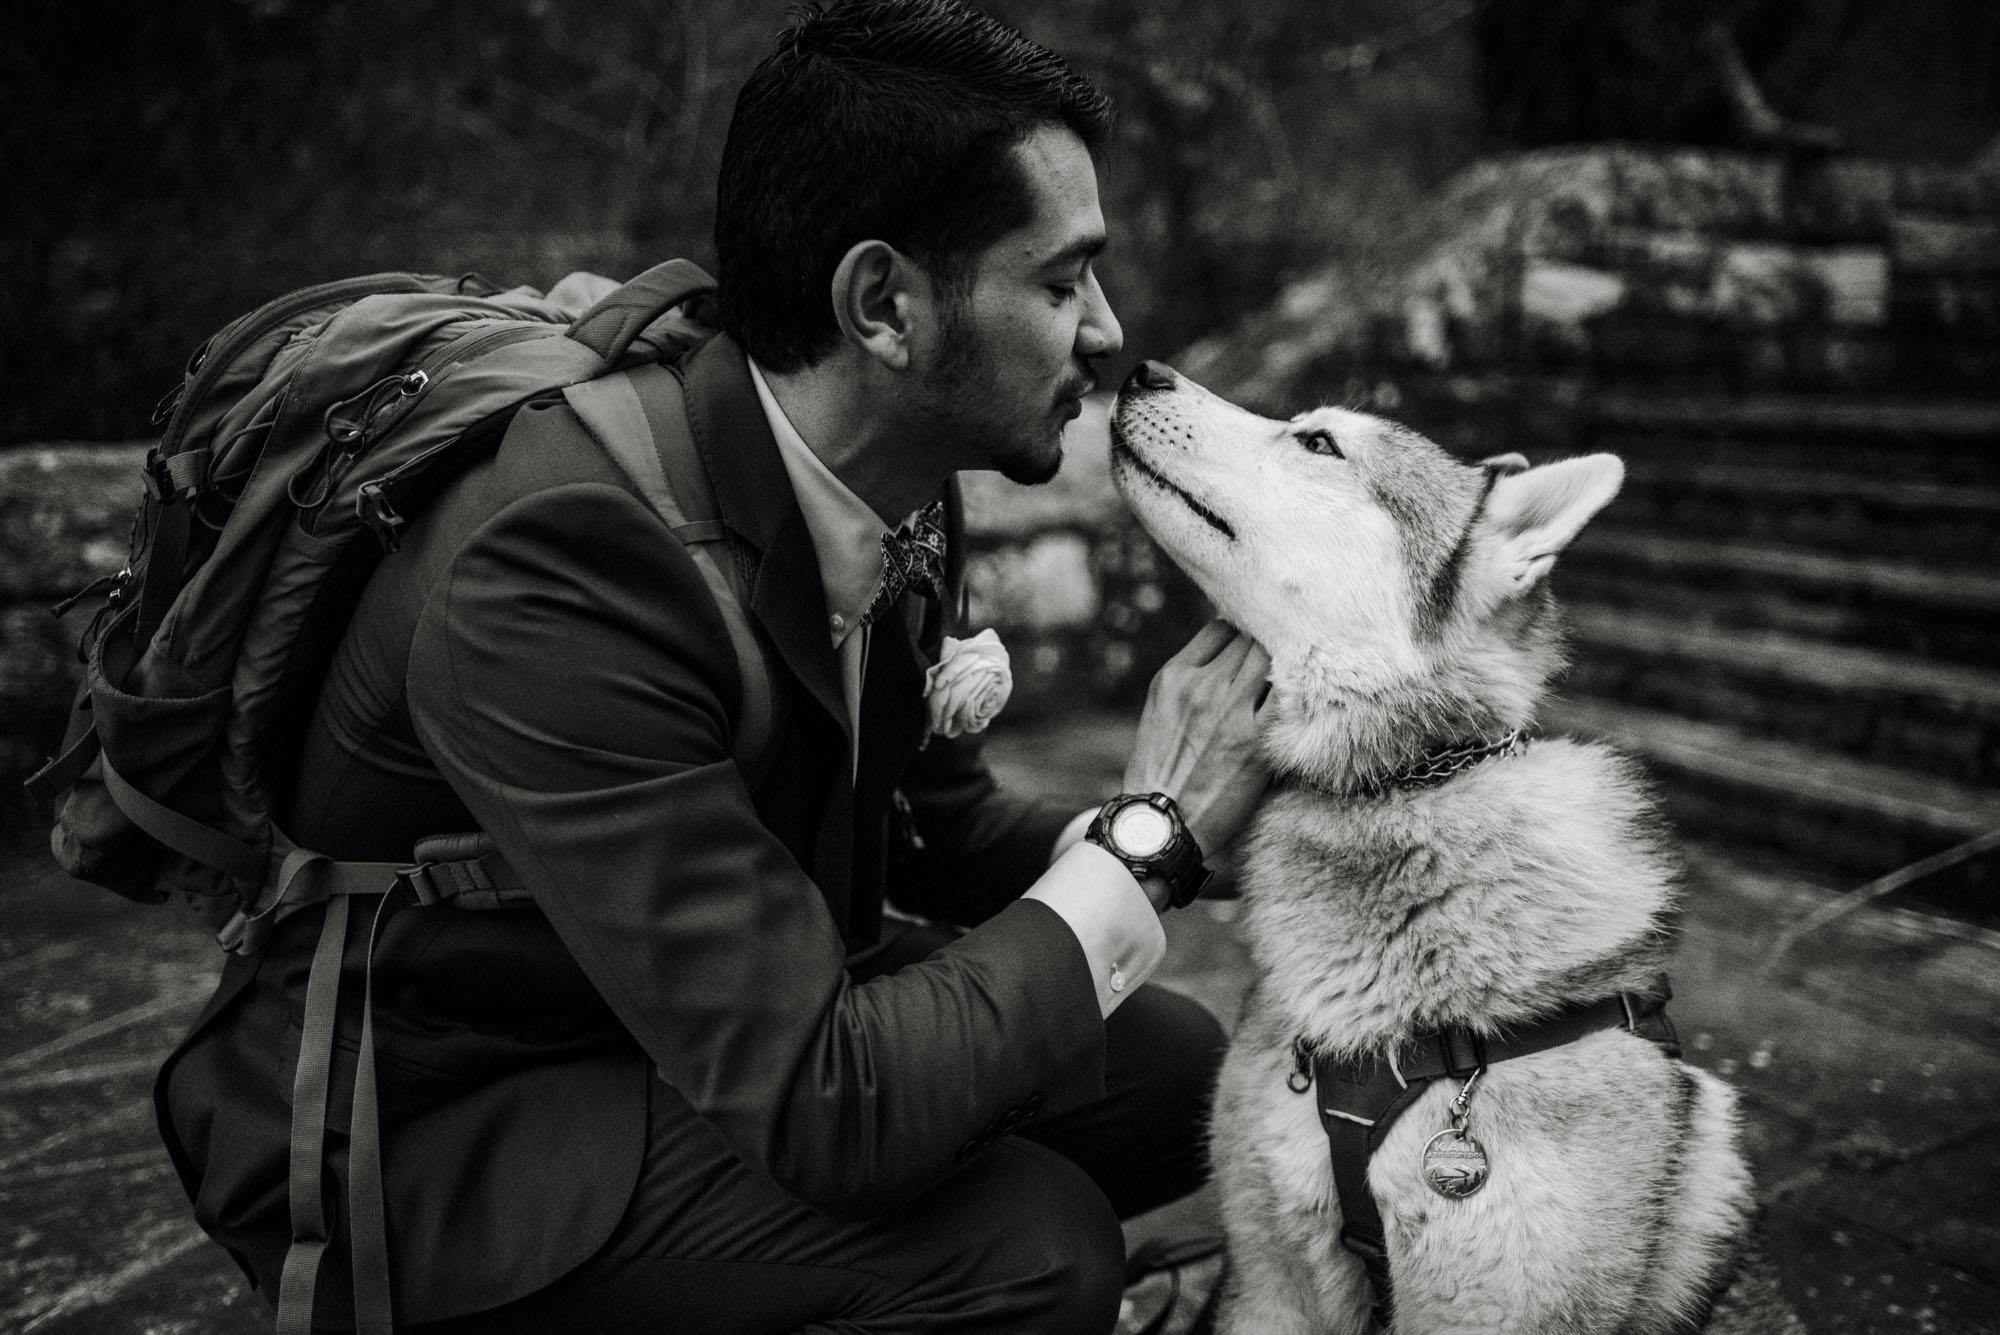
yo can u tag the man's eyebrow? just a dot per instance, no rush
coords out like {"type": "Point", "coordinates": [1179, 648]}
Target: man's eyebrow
{"type": "Point", "coordinates": [1083, 248]}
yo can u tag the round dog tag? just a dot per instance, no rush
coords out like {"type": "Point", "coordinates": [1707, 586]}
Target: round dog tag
{"type": "Point", "coordinates": [1454, 1164]}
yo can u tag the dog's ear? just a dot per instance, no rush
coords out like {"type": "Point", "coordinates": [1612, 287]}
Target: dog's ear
{"type": "Point", "coordinates": [1531, 515]}
{"type": "Point", "coordinates": [1506, 465]}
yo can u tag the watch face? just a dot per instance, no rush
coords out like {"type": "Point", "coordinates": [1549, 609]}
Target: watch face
{"type": "Point", "coordinates": [1141, 831]}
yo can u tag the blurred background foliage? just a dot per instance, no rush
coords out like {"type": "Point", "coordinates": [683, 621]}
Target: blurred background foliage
{"type": "Point", "coordinates": [171, 165]}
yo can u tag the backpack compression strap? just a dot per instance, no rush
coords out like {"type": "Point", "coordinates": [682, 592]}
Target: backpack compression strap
{"type": "Point", "coordinates": [639, 417]}
{"type": "Point", "coordinates": [465, 870]}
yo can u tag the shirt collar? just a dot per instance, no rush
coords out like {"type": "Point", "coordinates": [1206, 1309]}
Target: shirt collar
{"type": "Point", "coordinates": [846, 534]}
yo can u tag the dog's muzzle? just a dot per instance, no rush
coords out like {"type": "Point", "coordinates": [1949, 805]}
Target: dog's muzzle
{"type": "Point", "coordinates": [1150, 375]}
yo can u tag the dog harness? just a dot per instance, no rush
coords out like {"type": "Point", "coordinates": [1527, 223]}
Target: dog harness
{"type": "Point", "coordinates": [1361, 1097]}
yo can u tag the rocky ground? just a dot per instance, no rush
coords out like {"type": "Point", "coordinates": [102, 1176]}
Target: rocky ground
{"type": "Point", "coordinates": [1869, 1063]}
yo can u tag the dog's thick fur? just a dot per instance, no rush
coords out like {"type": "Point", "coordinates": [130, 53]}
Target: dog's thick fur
{"type": "Point", "coordinates": [1403, 599]}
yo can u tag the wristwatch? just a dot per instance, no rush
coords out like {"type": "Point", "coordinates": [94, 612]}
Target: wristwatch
{"type": "Point", "coordinates": [1146, 833]}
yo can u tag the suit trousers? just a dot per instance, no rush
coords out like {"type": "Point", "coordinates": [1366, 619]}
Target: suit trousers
{"type": "Point", "coordinates": [1024, 1237]}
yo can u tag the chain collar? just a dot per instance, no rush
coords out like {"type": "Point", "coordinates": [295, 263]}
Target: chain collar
{"type": "Point", "coordinates": [1437, 766]}
{"type": "Point", "coordinates": [1433, 768]}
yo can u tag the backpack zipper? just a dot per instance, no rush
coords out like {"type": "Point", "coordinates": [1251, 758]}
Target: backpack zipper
{"type": "Point", "coordinates": [383, 411]}
{"type": "Point", "coordinates": [205, 366]}
{"type": "Point", "coordinates": [346, 446]}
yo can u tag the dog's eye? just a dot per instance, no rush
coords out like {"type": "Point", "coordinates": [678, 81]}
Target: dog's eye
{"type": "Point", "coordinates": [1320, 441]}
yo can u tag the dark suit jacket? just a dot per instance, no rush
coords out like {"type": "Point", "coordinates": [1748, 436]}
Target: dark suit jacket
{"type": "Point", "coordinates": [542, 660]}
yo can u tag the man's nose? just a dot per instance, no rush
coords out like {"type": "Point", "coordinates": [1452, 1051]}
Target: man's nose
{"type": "Point", "coordinates": [1099, 335]}
{"type": "Point", "coordinates": [1151, 375]}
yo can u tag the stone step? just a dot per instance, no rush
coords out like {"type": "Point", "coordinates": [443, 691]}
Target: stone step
{"type": "Point", "coordinates": [1937, 717]}
{"type": "Point", "coordinates": [1855, 818]}
{"type": "Point", "coordinates": [1939, 419]}
{"type": "Point", "coordinates": [1937, 436]}
{"type": "Point", "coordinates": [1843, 511]}
{"type": "Point", "coordinates": [1670, 349]}
{"type": "Point", "coordinates": [1896, 603]}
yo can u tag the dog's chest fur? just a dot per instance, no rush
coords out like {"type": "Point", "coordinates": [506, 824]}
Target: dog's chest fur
{"type": "Point", "coordinates": [1525, 882]}
{"type": "Point", "coordinates": [1487, 901]}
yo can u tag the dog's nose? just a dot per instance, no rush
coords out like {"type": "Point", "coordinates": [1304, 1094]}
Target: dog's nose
{"type": "Point", "coordinates": [1151, 375]}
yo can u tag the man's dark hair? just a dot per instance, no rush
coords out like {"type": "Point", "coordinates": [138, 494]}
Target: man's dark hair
{"type": "Point", "coordinates": [884, 120]}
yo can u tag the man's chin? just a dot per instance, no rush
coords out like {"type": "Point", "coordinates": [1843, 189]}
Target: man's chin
{"type": "Point", "coordinates": [1033, 470]}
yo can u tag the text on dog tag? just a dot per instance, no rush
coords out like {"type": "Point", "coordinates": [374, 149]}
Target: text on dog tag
{"type": "Point", "coordinates": [1454, 1164]}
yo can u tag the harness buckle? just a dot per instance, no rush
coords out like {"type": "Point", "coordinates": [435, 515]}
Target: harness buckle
{"type": "Point", "coordinates": [1462, 1049]}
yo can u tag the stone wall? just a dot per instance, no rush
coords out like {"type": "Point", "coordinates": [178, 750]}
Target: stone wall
{"type": "Point", "coordinates": [1656, 266]}
{"type": "Point", "coordinates": [65, 518]}
{"type": "Point", "coordinates": [1086, 605]}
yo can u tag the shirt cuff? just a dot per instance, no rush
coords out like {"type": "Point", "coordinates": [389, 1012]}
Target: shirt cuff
{"type": "Point", "coordinates": [1072, 833]}
{"type": "Point", "coordinates": [1114, 922]}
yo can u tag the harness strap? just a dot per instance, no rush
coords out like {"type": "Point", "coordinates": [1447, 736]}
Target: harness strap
{"type": "Point", "coordinates": [1361, 1097]}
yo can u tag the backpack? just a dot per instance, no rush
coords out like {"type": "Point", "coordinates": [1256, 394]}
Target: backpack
{"type": "Point", "coordinates": [301, 440]}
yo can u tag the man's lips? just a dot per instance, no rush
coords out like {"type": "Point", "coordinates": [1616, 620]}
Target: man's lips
{"type": "Point", "coordinates": [1122, 451]}
{"type": "Point", "coordinates": [1070, 402]}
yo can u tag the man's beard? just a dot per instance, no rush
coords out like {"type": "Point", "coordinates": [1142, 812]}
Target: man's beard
{"type": "Point", "coordinates": [960, 383]}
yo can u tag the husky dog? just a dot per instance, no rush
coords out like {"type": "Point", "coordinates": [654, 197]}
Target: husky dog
{"type": "Point", "coordinates": [1411, 873]}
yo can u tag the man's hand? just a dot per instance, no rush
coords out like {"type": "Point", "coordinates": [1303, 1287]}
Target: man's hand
{"type": "Point", "coordinates": [1198, 735]}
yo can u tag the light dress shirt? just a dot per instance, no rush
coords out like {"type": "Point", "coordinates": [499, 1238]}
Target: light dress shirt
{"type": "Point", "coordinates": [1089, 889]}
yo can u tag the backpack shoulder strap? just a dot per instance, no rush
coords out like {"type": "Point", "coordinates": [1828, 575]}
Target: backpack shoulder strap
{"type": "Point", "coordinates": [639, 417]}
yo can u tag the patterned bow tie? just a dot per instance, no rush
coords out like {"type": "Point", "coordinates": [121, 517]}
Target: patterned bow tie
{"type": "Point", "coordinates": [912, 558]}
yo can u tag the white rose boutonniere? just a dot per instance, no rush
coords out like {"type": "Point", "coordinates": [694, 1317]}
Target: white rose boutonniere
{"type": "Point", "coordinates": [969, 685]}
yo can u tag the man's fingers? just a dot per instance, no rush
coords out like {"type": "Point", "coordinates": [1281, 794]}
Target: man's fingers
{"type": "Point", "coordinates": [1228, 662]}
{"type": "Point", "coordinates": [1241, 661]}
{"type": "Point", "coordinates": [1256, 663]}
{"type": "Point", "coordinates": [1207, 642]}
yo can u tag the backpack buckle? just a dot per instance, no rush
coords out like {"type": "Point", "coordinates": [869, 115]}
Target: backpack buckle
{"type": "Point", "coordinates": [376, 511]}
{"type": "Point", "coordinates": [153, 475]}
{"type": "Point", "coordinates": [416, 879]}
{"type": "Point", "coordinates": [175, 477]}
{"type": "Point", "coordinates": [462, 881]}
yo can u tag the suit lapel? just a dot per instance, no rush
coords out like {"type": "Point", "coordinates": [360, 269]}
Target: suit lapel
{"type": "Point", "coordinates": [754, 495]}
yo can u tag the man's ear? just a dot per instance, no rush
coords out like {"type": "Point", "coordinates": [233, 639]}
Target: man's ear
{"type": "Point", "coordinates": [875, 289]}
{"type": "Point", "coordinates": [1533, 514]}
